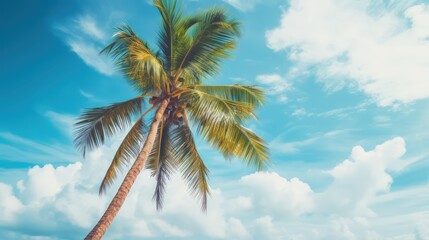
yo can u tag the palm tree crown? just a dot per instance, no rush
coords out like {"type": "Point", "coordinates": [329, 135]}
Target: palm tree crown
{"type": "Point", "coordinates": [189, 50]}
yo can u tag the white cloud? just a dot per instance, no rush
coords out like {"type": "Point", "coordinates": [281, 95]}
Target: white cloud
{"type": "Point", "coordinates": [422, 231]}
{"type": "Point", "coordinates": [341, 113]}
{"type": "Point", "coordinates": [170, 230]}
{"type": "Point", "coordinates": [86, 38]}
{"type": "Point", "coordinates": [300, 112]}
{"type": "Point", "coordinates": [291, 147]}
{"type": "Point", "coordinates": [265, 228]}
{"type": "Point", "coordinates": [283, 197]}
{"type": "Point", "coordinates": [89, 53]}
{"type": "Point", "coordinates": [9, 204]}
{"type": "Point", "coordinates": [90, 96]}
{"type": "Point", "coordinates": [248, 5]}
{"type": "Point", "coordinates": [243, 5]}
{"type": "Point", "coordinates": [34, 188]}
{"type": "Point", "coordinates": [89, 26]}
{"type": "Point", "coordinates": [236, 229]}
{"type": "Point", "coordinates": [367, 44]}
{"type": "Point", "coordinates": [63, 202]}
{"type": "Point", "coordinates": [20, 149]}
{"type": "Point", "coordinates": [276, 85]}
{"type": "Point", "coordinates": [63, 122]}
{"type": "Point", "coordinates": [360, 178]}
{"type": "Point", "coordinates": [240, 203]}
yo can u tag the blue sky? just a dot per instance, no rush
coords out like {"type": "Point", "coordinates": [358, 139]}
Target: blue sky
{"type": "Point", "coordinates": [346, 119]}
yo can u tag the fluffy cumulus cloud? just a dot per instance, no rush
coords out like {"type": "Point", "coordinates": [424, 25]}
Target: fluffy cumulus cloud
{"type": "Point", "coordinates": [9, 204]}
{"type": "Point", "coordinates": [62, 203]}
{"type": "Point", "coordinates": [381, 48]}
{"type": "Point", "coordinates": [297, 194]}
{"type": "Point", "coordinates": [360, 178]}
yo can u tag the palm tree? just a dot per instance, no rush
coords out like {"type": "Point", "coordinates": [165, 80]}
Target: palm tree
{"type": "Point", "coordinates": [189, 51]}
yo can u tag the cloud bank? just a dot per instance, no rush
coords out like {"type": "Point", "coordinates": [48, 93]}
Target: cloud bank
{"type": "Point", "coordinates": [62, 203]}
{"type": "Point", "coordinates": [380, 48]}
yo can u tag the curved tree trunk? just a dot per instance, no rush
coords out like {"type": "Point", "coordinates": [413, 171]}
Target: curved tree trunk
{"type": "Point", "coordinates": [98, 231]}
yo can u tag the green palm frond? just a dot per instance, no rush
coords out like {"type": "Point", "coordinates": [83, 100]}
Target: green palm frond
{"type": "Point", "coordinates": [95, 124]}
{"type": "Point", "coordinates": [203, 103]}
{"type": "Point", "coordinates": [191, 165]}
{"type": "Point", "coordinates": [128, 150]}
{"type": "Point", "coordinates": [172, 36]}
{"type": "Point", "coordinates": [213, 36]}
{"type": "Point", "coordinates": [221, 126]}
{"type": "Point", "coordinates": [137, 61]}
{"type": "Point", "coordinates": [231, 138]}
{"type": "Point", "coordinates": [161, 162]}
{"type": "Point", "coordinates": [252, 95]}
{"type": "Point", "coordinates": [247, 144]}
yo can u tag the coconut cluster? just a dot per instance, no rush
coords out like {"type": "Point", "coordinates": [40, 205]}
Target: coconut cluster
{"type": "Point", "coordinates": [174, 111]}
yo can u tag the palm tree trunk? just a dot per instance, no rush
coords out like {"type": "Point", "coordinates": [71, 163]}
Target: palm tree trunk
{"type": "Point", "coordinates": [98, 231]}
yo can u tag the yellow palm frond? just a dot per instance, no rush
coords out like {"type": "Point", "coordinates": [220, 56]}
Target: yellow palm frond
{"type": "Point", "coordinates": [203, 103]}
{"type": "Point", "coordinates": [252, 95]}
{"type": "Point", "coordinates": [137, 61]}
{"type": "Point", "coordinates": [219, 121]}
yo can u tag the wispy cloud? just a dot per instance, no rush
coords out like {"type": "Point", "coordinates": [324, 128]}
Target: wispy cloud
{"type": "Point", "coordinates": [276, 85]}
{"type": "Point", "coordinates": [246, 5]}
{"type": "Point", "coordinates": [89, 26]}
{"type": "Point", "coordinates": [87, 39]}
{"type": "Point", "coordinates": [89, 96]}
{"type": "Point", "coordinates": [243, 5]}
{"type": "Point", "coordinates": [86, 94]}
{"type": "Point", "coordinates": [63, 122]}
{"type": "Point", "coordinates": [340, 113]}
{"type": "Point", "coordinates": [301, 112]}
{"type": "Point", "coordinates": [25, 150]}
{"type": "Point", "coordinates": [89, 53]}
{"type": "Point", "coordinates": [292, 147]}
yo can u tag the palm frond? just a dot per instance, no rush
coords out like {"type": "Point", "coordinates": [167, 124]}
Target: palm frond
{"type": "Point", "coordinates": [137, 61]}
{"type": "Point", "coordinates": [221, 126]}
{"type": "Point", "coordinates": [128, 150]}
{"type": "Point", "coordinates": [191, 165]}
{"type": "Point", "coordinates": [161, 162]}
{"type": "Point", "coordinates": [205, 103]}
{"type": "Point", "coordinates": [252, 95]}
{"type": "Point", "coordinates": [212, 39]}
{"type": "Point", "coordinates": [171, 15]}
{"type": "Point", "coordinates": [95, 124]}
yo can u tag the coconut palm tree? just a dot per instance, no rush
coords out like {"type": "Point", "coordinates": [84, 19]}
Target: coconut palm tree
{"type": "Point", "coordinates": [169, 84]}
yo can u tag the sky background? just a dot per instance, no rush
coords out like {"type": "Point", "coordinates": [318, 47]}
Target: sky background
{"type": "Point", "coordinates": [346, 119]}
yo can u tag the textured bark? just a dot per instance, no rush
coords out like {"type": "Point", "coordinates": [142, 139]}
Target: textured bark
{"type": "Point", "coordinates": [100, 229]}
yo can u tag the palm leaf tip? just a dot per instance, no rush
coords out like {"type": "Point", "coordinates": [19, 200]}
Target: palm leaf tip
{"type": "Point", "coordinates": [255, 150]}
{"type": "Point", "coordinates": [191, 165]}
{"type": "Point", "coordinates": [162, 163]}
{"type": "Point", "coordinates": [96, 124]}
{"type": "Point", "coordinates": [221, 126]}
{"type": "Point", "coordinates": [211, 40]}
